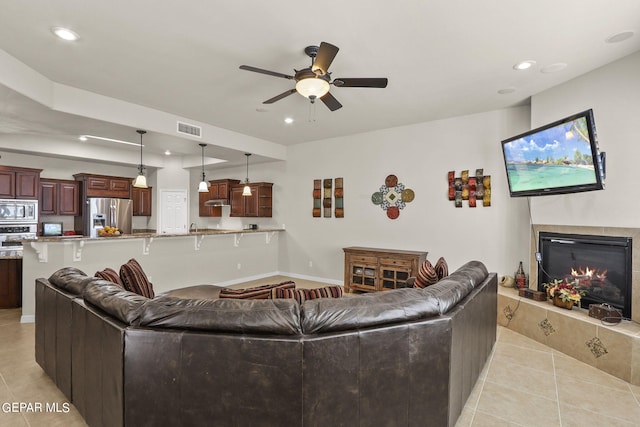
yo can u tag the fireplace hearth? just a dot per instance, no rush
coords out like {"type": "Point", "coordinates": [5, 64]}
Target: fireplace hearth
{"type": "Point", "coordinates": [600, 265]}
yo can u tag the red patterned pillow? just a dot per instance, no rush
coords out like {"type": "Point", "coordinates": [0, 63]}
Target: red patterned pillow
{"type": "Point", "coordinates": [109, 274]}
{"type": "Point", "coordinates": [426, 275]}
{"type": "Point", "coordinates": [134, 279]}
{"type": "Point", "coordinates": [441, 267]}
{"type": "Point", "coordinates": [258, 292]}
{"type": "Point", "coordinates": [301, 295]}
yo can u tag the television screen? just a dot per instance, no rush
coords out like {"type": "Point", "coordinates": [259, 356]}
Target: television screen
{"type": "Point", "coordinates": [52, 229]}
{"type": "Point", "coordinates": [561, 157]}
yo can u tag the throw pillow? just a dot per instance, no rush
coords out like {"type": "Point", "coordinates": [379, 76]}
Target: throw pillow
{"type": "Point", "coordinates": [441, 267]}
{"type": "Point", "coordinates": [426, 275]}
{"type": "Point", "coordinates": [258, 292]}
{"type": "Point", "coordinates": [135, 280]}
{"type": "Point", "coordinates": [301, 295]}
{"type": "Point", "coordinates": [109, 274]}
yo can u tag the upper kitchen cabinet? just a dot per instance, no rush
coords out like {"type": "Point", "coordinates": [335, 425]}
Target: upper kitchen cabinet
{"type": "Point", "coordinates": [104, 186]}
{"type": "Point", "coordinates": [219, 193]}
{"type": "Point", "coordinates": [19, 183]}
{"type": "Point", "coordinates": [141, 201]}
{"type": "Point", "coordinates": [59, 197]}
{"type": "Point", "coordinates": [259, 204]}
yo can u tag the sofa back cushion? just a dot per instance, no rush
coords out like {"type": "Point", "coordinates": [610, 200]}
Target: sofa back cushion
{"type": "Point", "coordinates": [70, 279]}
{"type": "Point", "coordinates": [113, 299]}
{"type": "Point", "coordinates": [135, 280]}
{"type": "Point", "coordinates": [258, 292]}
{"type": "Point", "coordinates": [400, 305]}
{"type": "Point", "coordinates": [301, 295]}
{"type": "Point", "coordinates": [453, 288]}
{"type": "Point", "coordinates": [262, 316]}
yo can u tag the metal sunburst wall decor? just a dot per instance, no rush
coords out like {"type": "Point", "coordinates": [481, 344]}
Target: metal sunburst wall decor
{"type": "Point", "coordinates": [392, 196]}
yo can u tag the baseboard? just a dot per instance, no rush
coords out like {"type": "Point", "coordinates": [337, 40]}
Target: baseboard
{"type": "Point", "coordinates": [312, 278]}
{"type": "Point", "coordinates": [30, 318]}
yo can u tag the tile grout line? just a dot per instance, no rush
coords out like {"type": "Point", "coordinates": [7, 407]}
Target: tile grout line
{"type": "Point", "coordinates": [555, 383]}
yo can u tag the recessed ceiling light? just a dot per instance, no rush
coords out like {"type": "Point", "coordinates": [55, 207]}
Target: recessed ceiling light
{"type": "Point", "coordinates": [524, 65]}
{"type": "Point", "coordinates": [167, 153]}
{"type": "Point", "coordinates": [553, 68]}
{"type": "Point", "coordinates": [620, 37]}
{"type": "Point", "coordinates": [65, 34]}
{"type": "Point", "coordinates": [506, 90]}
{"type": "Point", "coordinates": [288, 120]}
{"type": "Point", "coordinates": [102, 138]}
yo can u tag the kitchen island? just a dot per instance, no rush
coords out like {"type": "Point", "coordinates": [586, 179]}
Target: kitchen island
{"type": "Point", "coordinates": [208, 256]}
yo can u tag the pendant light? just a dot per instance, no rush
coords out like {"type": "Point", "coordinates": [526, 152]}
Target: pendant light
{"type": "Point", "coordinates": [246, 191]}
{"type": "Point", "coordinates": [204, 186]}
{"type": "Point", "coordinates": [141, 180]}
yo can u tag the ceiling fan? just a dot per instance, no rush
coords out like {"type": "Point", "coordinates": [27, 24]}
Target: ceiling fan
{"type": "Point", "coordinates": [313, 82]}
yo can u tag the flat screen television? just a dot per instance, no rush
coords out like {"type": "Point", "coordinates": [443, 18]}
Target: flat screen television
{"type": "Point", "coordinates": [558, 158]}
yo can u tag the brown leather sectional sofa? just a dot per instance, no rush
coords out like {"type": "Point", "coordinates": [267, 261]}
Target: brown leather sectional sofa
{"type": "Point", "coordinates": [403, 357]}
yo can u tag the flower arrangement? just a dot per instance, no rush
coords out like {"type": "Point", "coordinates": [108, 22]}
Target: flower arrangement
{"type": "Point", "coordinates": [563, 290]}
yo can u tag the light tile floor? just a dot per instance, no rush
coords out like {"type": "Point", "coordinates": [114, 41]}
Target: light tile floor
{"type": "Point", "coordinates": [523, 384]}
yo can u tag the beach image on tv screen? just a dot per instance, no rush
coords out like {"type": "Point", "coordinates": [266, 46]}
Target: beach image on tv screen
{"type": "Point", "coordinates": [556, 157]}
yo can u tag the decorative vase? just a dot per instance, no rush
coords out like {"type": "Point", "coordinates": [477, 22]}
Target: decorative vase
{"type": "Point", "coordinates": [558, 302]}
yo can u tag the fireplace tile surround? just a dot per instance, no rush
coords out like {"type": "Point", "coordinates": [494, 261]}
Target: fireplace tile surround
{"type": "Point", "coordinates": [612, 349]}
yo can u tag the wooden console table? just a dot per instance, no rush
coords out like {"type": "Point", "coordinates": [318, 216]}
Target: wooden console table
{"type": "Point", "coordinates": [374, 270]}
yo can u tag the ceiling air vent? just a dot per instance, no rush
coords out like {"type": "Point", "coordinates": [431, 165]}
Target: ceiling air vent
{"type": "Point", "coordinates": [191, 130]}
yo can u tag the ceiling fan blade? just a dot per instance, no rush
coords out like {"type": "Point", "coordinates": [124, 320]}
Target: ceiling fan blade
{"type": "Point", "coordinates": [330, 101]}
{"type": "Point", "coordinates": [279, 97]}
{"type": "Point", "coordinates": [267, 72]}
{"type": "Point", "coordinates": [324, 58]}
{"type": "Point", "coordinates": [366, 82]}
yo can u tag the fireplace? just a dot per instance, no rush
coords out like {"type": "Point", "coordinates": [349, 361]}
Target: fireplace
{"type": "Point", "coordinates": [600, 265]}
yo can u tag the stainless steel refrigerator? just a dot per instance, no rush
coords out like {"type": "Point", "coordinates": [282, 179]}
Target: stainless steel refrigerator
{"type": "Point", "coordinates": [100, 212]}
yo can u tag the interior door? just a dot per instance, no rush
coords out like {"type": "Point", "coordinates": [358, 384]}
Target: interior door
{"type": "Point", "coordinates": [173, 212]}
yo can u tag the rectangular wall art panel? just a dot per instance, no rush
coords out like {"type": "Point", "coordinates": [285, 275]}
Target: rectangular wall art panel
{"type": "Point", "coordinates": [325, 197]}
{"type": "Point", "coordinates": [469, 188]}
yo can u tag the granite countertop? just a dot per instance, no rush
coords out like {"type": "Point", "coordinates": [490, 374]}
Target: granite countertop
{"type": "Point", "coordinates": [146, 235]}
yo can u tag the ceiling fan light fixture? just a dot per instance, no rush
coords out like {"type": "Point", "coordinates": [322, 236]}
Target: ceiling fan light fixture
{"type": "Point", "coordinates": [312, 87]}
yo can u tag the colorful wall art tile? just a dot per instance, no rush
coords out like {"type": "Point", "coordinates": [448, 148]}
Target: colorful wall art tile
{"type": "Point", "coordinates": [324, 197]}
{"type": "Point", "coordinates": [471, 188]}
{"type": "Point", "coordinates": [392, 197]}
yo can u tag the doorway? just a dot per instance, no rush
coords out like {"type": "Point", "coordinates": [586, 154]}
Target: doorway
{"type": "Point", "coordinates": [173, 212]}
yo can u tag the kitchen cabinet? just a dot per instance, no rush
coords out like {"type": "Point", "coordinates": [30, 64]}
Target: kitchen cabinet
{"type": "Point", "coordinates": [259, 204]}
{"type": "Point", "coordinates": [219, 189]}
{"type": "Point", "coordinates": [141, 201]}
{"type": "Point", "coordinates": [19, 183]}
{"type": "Point", "coordinates": [104, 186]}
{"type": "Point", "coordinates": [374, 270]}
{"type": "Point", "coordinates": [10, 283]}
{"type": "Point", "coordinates": [59, 197]}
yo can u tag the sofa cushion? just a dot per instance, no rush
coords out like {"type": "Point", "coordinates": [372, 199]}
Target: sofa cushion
{"type": "Point", "coordinates": [400, 305]}
{"type": "Point", "coordinates": [426, 275]}
{"type": "Point", "coordinates": [109, 274]}
{"type": "Point", "coordinates": [70, 279]}
{"type": "Point", "coordinates": [301, 295]}
{"type": "Point", "coordinates": [135, 280]}
{"type": "Point", "coordinates": [441, 268]}
{"type": "Point", "coordinates": [124, 305]}
{"type": "Point", "coordinates": [258, 292]}
{"type": "Point", "coordinates": [263, 316]}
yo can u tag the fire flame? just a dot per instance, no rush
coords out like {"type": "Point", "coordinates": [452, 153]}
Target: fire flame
{"type": "Point", "coordinates": [589, 273]}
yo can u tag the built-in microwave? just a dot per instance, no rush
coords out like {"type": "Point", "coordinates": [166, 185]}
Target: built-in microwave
{"type": "Point", "coordinates": [18, 211]}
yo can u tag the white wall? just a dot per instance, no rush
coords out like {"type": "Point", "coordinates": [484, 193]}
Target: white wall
{"type": "Point", "coordinates": [420, 155]}
{"type": "Point", "coordinates": [613, 92]}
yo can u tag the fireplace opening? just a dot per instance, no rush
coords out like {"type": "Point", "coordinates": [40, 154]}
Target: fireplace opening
{"type": "Point", "coordinates": [600, 265]}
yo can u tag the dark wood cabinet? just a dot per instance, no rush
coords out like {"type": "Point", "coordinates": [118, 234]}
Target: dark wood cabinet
{"type": "Point", "coordinates": [219, 189]}
{"type": "Point", "coordinates": [59, 197]}
{"type": "Point", "coordinates": [10, 283]}
{"type": "Point", "coordinates": [141, 201]}
{"type": "Point", "coordinates": [19, 183]}
{"type": "Point", "coordinates": [104, 186]}
{"type": "Point", "coordinates": [374, 270]}
{"type": "Point", "coordinates": [259, 204]}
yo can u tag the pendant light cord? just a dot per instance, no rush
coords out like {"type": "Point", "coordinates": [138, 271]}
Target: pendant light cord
{"type": "Point", "coordinates": [247, 179]}
{"type": "Point", "coordinates": [141, 167]}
